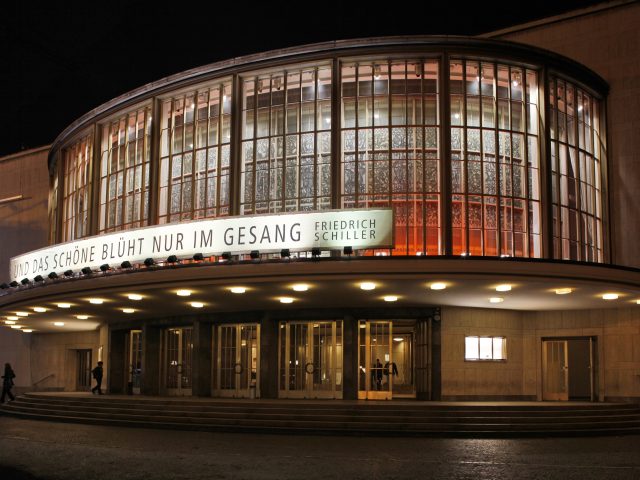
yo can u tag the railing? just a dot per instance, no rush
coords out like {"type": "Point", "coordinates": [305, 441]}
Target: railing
{"type": "Point", "coordinates": [43, 379]}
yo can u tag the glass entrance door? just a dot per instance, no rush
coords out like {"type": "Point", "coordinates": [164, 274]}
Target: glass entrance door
{"type": "Point", "coordinates": [555, 368]}
{"type": "Point", "coordinates": [178, 354]}
{"type": "Point", "coordinates": [311, 359]}
{"type": "Point", "coordinates": [83, 370]}
{"type": "Point", "coordinates": [135, 361]}
{"type": "Point", "coordinates": [375, 358]}
{"type": "Point", "coordinates": [238, 361]}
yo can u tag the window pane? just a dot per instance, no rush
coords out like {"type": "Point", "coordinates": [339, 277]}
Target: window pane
{"type": "Point", "coordinates": [471, 348]}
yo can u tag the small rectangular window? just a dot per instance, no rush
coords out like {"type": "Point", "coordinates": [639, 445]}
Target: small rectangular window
{"type": "Point", "coordinates": [485, 348]}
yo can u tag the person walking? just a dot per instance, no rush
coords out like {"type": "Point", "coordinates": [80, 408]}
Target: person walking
{"type": "Point", "coordinates": [7, 383]}
{"type": "Point", "coordinates": [97, 374]}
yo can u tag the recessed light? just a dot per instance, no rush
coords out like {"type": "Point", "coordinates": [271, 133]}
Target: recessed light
{"type": "Point", "coordinates": [197, 304]}
{"type": "Point", "coordinates": [134, 296]}
{"type": "Point", "coordinates": [286, 300]}
{"type": "Point", "coordinates": [638, 302]}
{"type": "Point", "coordinates": [390, 298]}
{"type": "Point", "coordinates": [12, 318]}
{"type": "Point", "coordinates": [22, 314]}
{"type": "Point", "coordinates": [183, 293]}
{"type": "Point", "coordinates": [300, 287]}
{"type": "Point", "coordinates": [438, 286]}
{"type": "Point", "coordinates": [27, 330]}
{"type": "Point", "coordinates": [59, 324]}
{"type": "Point", "coordinates": [367, 286]}
{"type": "Point", "coordinates": [64, 305]}
{"type": "Point", "coordinates": [10, 322]}
{"type": "Point", "coordinates": [503, 288]}
{"type": "Point", "coordinates": [496, 300]}
{"type": "Point", "coordinates": [237, 289]}
{"type": "Point", "coordinates": [17, 327]}
{"type": "Point", "coordinates": [610, 296]}
{"type": "Point", "coordinates": [398, 339]}
{"type": "Point", "coordinates": [129, 310]}
{"type": "Point", "coordinates": [39, 309]}
{"type": "Point", "coordinates": [563, 291]}
{"type": "Point", "coordinates": [82, 317]}
{"type": "Point", "coordinates": [96, 301]}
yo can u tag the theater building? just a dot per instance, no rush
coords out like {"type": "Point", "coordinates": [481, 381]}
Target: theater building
{"type": "Point", "coordinates": [411, 217]}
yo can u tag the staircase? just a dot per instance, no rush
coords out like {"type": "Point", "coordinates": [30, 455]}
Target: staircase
{"type": "Point", "coordinates": [334, 417]}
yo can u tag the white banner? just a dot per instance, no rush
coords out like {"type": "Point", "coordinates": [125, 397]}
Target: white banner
{"type": "Point", "coordinates": [327, 230]}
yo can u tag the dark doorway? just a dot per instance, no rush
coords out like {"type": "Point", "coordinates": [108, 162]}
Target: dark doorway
{"type": "Point", "coordinates": [83, 370]}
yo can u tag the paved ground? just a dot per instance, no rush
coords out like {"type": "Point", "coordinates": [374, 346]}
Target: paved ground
{"type": "Point", "coordinates": [31, 450]}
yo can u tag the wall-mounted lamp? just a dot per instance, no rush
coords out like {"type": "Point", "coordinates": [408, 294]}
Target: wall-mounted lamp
{"type": "Point", "coordinates": [348, 250]}
{"type": "Point", "coordinates": [24, 281]}
{"type": "Point", "coordinates": [173, 259]}
{"type": "Point", "coordinates": [198, 257]}
{"type": "Point", "coordinates": [105, 267]}
{"type": "Point", "coordinates": [13, 284]}
{"type": "Point", "coordinates": [126, 264]}
{"type": "Point", "coordinates": [255, 254]}
{"type": "Point", "coordinates": [86, 271]}
{"type": "Point", "coordinates": [149, 262]}
{"type": "Point", "coordinates": [53, 275]}
{"type": "Point", "coordinates": [38, 278]}
{"type": "Point", "coordinates": [68, 273]}
{"type": "Point", "coordinates": [285, 253]}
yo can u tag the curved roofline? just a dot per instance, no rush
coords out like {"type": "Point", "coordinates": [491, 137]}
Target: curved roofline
{"type": "Point", "coordinates": [475, 45]}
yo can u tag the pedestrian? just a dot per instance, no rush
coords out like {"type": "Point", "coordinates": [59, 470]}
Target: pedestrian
{"type": "Point", "coordinates": [7, 383]}
{"type": "Point", "coordinates": [97, 374]}
{"type": "Point", "coordinates": [378, 369]}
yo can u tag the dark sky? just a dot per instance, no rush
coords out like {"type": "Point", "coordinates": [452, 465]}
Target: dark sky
{"type": "Point", "coordinates": [60, 60]}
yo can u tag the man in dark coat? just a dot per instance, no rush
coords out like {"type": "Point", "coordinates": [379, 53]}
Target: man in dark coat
{"type": "Point", "coordinates": [97, 374]}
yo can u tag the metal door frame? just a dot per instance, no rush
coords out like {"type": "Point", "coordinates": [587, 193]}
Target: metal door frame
{"type": "Point", "coordinates": [180, 390]}
{"type": "Point", "coordinates": [593, 368]}
{"type": "Point", "coordinates": [88, 355]}
{"type": "Point", "coordinates": [309, 368]}
{"type": "Point", "coordinates": [369, 393]}
{"type": "Point", "coordinates": [238, 392]}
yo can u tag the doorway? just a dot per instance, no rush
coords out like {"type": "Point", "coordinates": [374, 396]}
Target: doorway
{"type": "Point", "coordinates": [134, 356]}
{"type": "Point", "coordinates": [177, 361]}
{"type": "Point", "coordinates": [568, 368]}
{"type": "Point", "coordinates": [310, 359]}
{"type": "Point", "coordinates": [83, 370]}
{"type": "Point", "coordinates": [238, 361]}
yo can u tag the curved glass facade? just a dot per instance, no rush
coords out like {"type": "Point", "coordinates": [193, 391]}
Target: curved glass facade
{"type": "Point", "coordinates": [453, 145]}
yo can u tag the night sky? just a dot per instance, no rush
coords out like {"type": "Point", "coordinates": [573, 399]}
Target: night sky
{"type": "Point", "coordinates": [60, 60]}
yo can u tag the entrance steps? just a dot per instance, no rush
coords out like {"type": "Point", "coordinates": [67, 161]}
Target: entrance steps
{"type": "Point", "coordinates": [334, 417]}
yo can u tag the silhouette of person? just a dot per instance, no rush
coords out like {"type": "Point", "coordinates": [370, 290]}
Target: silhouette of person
{"type": "Point", "coordinates": [7, 383]}
{"type": "Point", "coordinates": [378, 370]}
{"type": "Point", "coordinates": [97, 374]}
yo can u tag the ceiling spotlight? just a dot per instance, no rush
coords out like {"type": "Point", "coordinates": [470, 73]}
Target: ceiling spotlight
{"type": "Point", "coordinates": [134, 296]}
{"type": "Point", "coordinates": [68, 273]}
{"type": "Point", "coordinates": [24, 281]}
{"type": "Point", "coordinates": [105, 267]}
{"type": "Point", "coordinates": [22, 314]}
{"type": "Point", "coordinates": [237, 289]}
{"type": "Point", "coordinates": [315, 252]}
{"type": "Point", "coordinates": [82, 317]}
{"type": "Point", "coordinates": [173, 259]}
{"type": "Point", "coordinates": [255, 254]}
{"type": "Point", "coordinates": [197, 304]}
{"type": "Point", "coordinates": [13, 284]}
{"type": "Point", "coordinates": [198, 257]}
{"type": "Point", "coordinates": [96, 301]}
{"type": "Point", "coordinates": [126, 264]}
{"type": "Point", "coordinates": [39, 309]}
{"type": "Point", "coordinates": [367, 286]}
{"type": "Point", "coordinates": [149, 262]}
{"type": "Point", "coordinates": [38, 278]}
{"type": "Point", "coordinates": [10, 322]}
{"type": "Point", "coordinates": [226, 256]}
{"type": "Point", "coordinates": [17, 327]}
{"type": "Point", "coordinates": [183, 293]}
{"type": "Point", "coordinates": [64, 305]}
{"type": "Point", "coordinates": [563, 291]}
{"type": "Point", "coordinates": [86, 271]}
{"type": "Point", "coordinates": [128, 310]}
{"type": "Point", "coordinates": [59, 324]}
{"type": "Point", "coordinates": [503, 288]}
{"type": "Point", "coordinates": [285, 253]}
{"type": "Point", "coordinates": [27, 330]}
{"type": "Point", "coordinates": [390, 298]}
{"type": "Point", "coordinates": [53, 275]}
{"type": "Point", "coordinates": [496, 300]}
{"type": "Point", "coordinates": [610, 296]}
{"type": "Point", "coordinates": [438, 286]}
{"type": "Point", "coordinates": [300, 287]}
{"type": "Point", "coordinates": [286, 300]}
{"type": "Point", "coordinates": [348, 250]}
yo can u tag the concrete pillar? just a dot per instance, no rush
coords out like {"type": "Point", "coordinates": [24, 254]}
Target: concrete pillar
{"type": "Point", "coordinates": [268, 357]}
{"type": "Point", "coordinates": [436, 359]}
{"type": "Point", "coordinates": [117, 365]}
{"type": "Point", "coordinates": [350, 358]}
{"type": "Point", "coordinates": [201, 369]}
{"type": "Point", "coordinates": [151, 338]}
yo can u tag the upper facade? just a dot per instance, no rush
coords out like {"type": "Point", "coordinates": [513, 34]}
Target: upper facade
{"type": "Point", "coordinates": [480, 147]}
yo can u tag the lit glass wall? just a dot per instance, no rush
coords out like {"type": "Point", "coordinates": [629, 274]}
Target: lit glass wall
{"type": "Point", "coordinates": [76, 160]}
{"type": "Point", "coordinates": [577, 150]}
{"type": "Point", "coordinates": [195, 154]}
{"type": "Point", "coordinates": [495, 199]}
{"type": "Point", "coordinates": [286, 141]}
{"type": "Point", "coordinates": [390, 150]}
{"type": "Point", "coordinates": [124, 171]}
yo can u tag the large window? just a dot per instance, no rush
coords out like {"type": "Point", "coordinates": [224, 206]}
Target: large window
{"type": "Point", "coordinates": [77, 182]}
{"type": "Point", "coordinates": [495, 202]}
{"type": "Point", "coordinates": [286, 141]}
{"type": "Point", "coordinates": [485, 348]}
{"type": "Point", "coordinates": [124, 171]}
{"type": "Point", "coordinates": [195, 154]}
{"type": "Point", "coordinates": [577, 149]}
{"type": "Point", "coordinates": [390, 151]}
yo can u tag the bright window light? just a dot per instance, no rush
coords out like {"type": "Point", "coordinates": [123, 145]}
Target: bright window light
{"type": "Point", "coordinates": [478, 348]}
